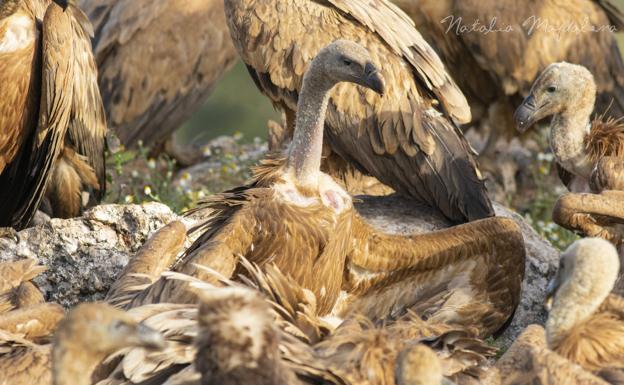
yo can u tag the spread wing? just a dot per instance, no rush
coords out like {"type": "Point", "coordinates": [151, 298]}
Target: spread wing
{"type": "Point", "coordinates": [468, 275]}
{"type": "Point", "coordinates": [158, 60]}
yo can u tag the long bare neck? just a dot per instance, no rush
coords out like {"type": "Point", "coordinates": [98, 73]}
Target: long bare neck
{"type": "Point", "coordinates": [73, 368]}
{"type": "Point", "coordinates": [304, 157]}
{"type": "Point", "coordinates": [567, 137]}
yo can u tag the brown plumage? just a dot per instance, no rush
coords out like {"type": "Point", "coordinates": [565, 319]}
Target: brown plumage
{"type": "Point", "coordinates": [33, 322]}
{"type": "Point", "coordinates": [146, 266]}
{"type": "Point", "coordinates": [287, 315]}
{"type": "Point", "coordinates": [529, 362]}
{"type": "Point", "coordinates": [88, 334]}
{"type": "Point", "coordinates": [16, 290]}
{"type": "Point", "coordinates": [159, 60]}
{"type": "Point", "coordinates": [299, 219]}
{"type": "Point", "coordinates": [496, 70]}
{"type": "Point", "coordinates": [586, 322]}
{"type": "Point", "coordinates": [51, 116]}
{"type": "Point", "coordinates": [364, 354]}
{"type": "Point", "coordinates": [410, 127]}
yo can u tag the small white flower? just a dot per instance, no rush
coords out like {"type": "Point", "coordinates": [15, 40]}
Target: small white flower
{"type": "Point", "coordinates": [147, 190]}
{"type": "Point", "coordinates": [151, 163]}
{"type": "Point", "coordinates": [128, 199]}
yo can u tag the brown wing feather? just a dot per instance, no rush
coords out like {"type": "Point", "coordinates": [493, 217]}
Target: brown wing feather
{"type": "Point", "coordinates": [33, 322]}
{"type": "Point", "coordinates": [598, 343]}
{"type": "Point", "coordinates": [606, 138]}
{"type": "Point", "coordinates": [56, 99]}
{"type": "Point", "coordinates": [401, 139]}
{"type": "Point", "coordinates": [87, 126]}
{"type": "Point", "coordinates": [387, 274]}
{"type": "Point", "coordinates": [159, 60]}
{"type": "Point", "coordinates": [23, 362]}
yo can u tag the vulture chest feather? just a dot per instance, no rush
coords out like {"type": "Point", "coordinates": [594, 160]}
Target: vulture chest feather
{"type": "Point", "coordinates": [18, 100]}
{"type": "Point", "coordinates": [309, 243]}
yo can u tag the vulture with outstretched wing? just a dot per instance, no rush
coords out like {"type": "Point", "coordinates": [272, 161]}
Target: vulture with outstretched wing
{"type": "Point", "coordinates": [408, 138]}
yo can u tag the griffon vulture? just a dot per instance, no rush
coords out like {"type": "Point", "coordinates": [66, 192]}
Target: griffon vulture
{"type": "Point", "coordinates": [408, 137]}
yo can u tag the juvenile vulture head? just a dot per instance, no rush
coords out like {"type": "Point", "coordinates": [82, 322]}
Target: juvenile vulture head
{"type": "Point", "coordinates": [587, 273]}
{"type": "Point", "coordinates": [562, 88]}
{"type": "Point", "coordinates": [88, 334]}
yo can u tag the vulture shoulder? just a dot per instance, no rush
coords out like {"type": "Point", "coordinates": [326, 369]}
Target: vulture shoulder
{"type": "Point", "coordinates": [429, 273]}
{"type": "Point", "coordinates": [408, 128]}
{"type": "Point", "coordinates": [158, 61]}
{"type": "Point", "coordinates": [598, 343]}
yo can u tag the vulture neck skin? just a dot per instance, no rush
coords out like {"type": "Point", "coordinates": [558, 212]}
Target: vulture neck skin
{"type": "Point", "coordinates": [567, 137]}
{"type": "Point", "coordinates": [306, 149]}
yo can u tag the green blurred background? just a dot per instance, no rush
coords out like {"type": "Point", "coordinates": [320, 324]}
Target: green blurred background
{"type": "Point", "coordinates": [237, 106]}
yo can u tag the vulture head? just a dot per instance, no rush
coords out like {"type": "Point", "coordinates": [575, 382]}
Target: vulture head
{"type": "Point", "coordinates": [587, 273]}
{"type": "Point", "coordinates": [235, 331]}
{"type": "Point", "coordinates": [419, 365]}
{"type": "Point", "coordinates": [346, 61]}
{"type": "Point", "coordinates": [92, 331]}
{"type": "Point", "coordinates": [561, 88]}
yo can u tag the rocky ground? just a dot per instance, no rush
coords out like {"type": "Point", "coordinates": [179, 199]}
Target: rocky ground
{"type": "Point", "coordinates": [85, 255]}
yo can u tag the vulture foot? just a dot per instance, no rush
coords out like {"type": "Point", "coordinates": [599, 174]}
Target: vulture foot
{"type": "Point", "coordinates": [593, 215]}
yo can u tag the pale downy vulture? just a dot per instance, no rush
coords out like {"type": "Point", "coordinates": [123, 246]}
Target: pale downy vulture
{"type": "Point", "coordinates": [296, 217]}
{"type": "Point", "coordinates": [496, 49]}
{"type": "Point", "coordinates": [52, 124]}
{"type": "Point", "coordinates": [589, 152]}
{"type": "Point", "coordinates": [586, 321]}
{"type": "Point", "coordinates": [87, 335]}
{"type": "Point", "coordinates": [158, 60]}
{"type": "Point", "coordinates": [529, 362]}
{"type": "Point", "coordinates": [406, 138]}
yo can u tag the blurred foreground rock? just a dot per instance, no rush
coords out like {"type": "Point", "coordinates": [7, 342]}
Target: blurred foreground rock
{"type": "Point", "coordinates": [84, 255]}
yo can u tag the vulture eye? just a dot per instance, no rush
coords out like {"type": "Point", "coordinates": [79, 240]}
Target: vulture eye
{"type": "Point", "coordinates": [347, 62]}
{"type": "Point", "coordinates": [551, 89]}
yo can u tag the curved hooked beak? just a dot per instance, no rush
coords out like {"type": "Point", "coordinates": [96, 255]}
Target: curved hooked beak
{"type": "Point", "coordinates": [551, 289]}
{"type": "Point", "coordinates": [373, 79]}
{"type": "Point", "coordinates": [62, 3]}
{"type": "Point", "coordinates": [525, 114]}
{"type": "Point", "coordinates": [150, 338]}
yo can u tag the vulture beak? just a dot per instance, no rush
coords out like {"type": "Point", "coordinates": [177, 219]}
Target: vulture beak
{"type": "Point", "coordinates": [525, 114]}
{"type": "Point", "coordinates": [62, 3]}
{"type": "Point", "coordinates": [150, 338]}
{"type": "Point", "coordinates": [551, 289]}
{"type": "Point", "coordinates": [373, 79]}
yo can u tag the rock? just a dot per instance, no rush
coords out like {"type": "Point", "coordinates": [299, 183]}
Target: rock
{"type": "Point", "coordinates": [84, 255]}
{"type": "Point", "coordinates": [397, 215]}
